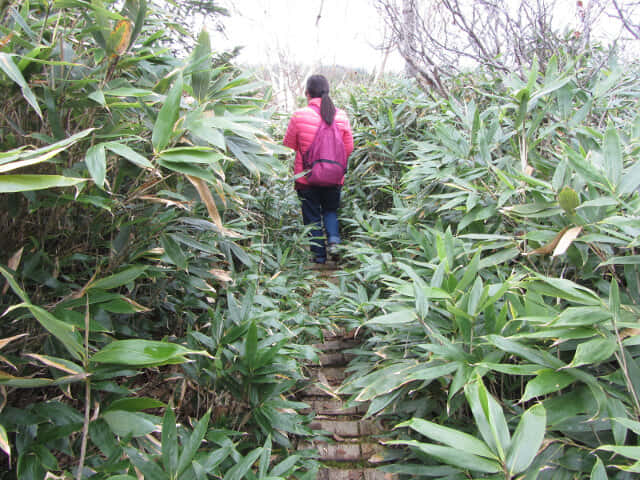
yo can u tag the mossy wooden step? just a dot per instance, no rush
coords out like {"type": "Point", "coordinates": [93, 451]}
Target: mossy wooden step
{"type": "Point", "coordinates": [323, 390]}
{"type": "Point", "coordinates": [354, 474]}
{"type": "Point", "coordinates": [334, 359]}
{"type": "Point", "coordinates": [346, 451]}
{"type": "Point", "coordinates": [322, 405]}
{"type": "Point", "coordinates": [332, 375]}
{"type": "Point", "coordinates": [337, 344]}
{"type": "Point", "coordinates": [347, 428]}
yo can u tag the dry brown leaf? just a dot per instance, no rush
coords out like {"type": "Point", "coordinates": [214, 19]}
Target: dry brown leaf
{"type": "Point", "coordinates": [164, 201]}
{"type": "Point", "coordinates": [221, 275]}
{"type": "Point", "coordinates": [276, 275]}
{"type": "Point", "coordinates": [324, 386]}
{"type": "Point", "coordinates": [629, 332]}
{"type": "Point", "coordinates": [13, 263]}
{"type": "Point", "coordinates": [566, 240]}
{"type": "Point", "coordinates": [136, 305]}
{"type": "Point", "coordinates": [4, 360]}
{"type": "Point", "coordinates": [122, 35]}
{"type": "Point", "coordinates": [6, 341]}
{"type": "Point", "coordinates": [376, 458]}
{"type": "Point", "coordinates": [51, 363]}
{"type": "Point", "coordinates": [207, 198]}
{"type": "Point", "coordinates": [6, 40]}
{"type": "Point", "coordinates": [549, 247]}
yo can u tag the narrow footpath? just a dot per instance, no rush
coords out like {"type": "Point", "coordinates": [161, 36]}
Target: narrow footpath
{"type": "Point", "coordinates": [348, 445]}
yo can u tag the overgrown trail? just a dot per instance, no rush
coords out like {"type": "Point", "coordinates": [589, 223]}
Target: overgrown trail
{"type": "Point", "coordinates": [348, 444]}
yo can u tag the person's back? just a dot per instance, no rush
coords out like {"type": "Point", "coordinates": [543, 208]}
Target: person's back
{"type": "Point", "coordinates": [302, 130]}
{"type": "Point", "coordinates": [319, 203]}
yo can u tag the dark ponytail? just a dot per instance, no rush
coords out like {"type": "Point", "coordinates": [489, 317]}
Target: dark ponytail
{"type": "Point", "coordinates": [318, 87]}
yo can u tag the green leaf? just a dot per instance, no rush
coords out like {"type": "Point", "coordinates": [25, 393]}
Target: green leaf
{"type": "Point", "coordinates": [191, 155]}
{"type": "Point", "coordinates": [453, 456]}
{"type": "Point", "coordinates": [147, 466]}
{"type": "Point", "coordinates": [613, 156]}
{"type": "Point", "coordinates": [201, 66]}
{"type": "Point", "coordinates": [390, 378]}
{"type": "Point", "coordinates": [580, 317]}
{"type": "Point", "coordinates": [142, 352]}
{"type": "Point", "coordinates": [173, 251]}
{"type": "Point", "coordinates": [118, 279]}
{"type": "Point", "coordinates": [626, 260]}
{"type": "Point", "coordinates": [285, 466]}
{"type": "Point", "coordinates": [489, 418]}
{"type": "Point", "coordinates": [190, 447]}
{"type": "Point", "coordinates": [251, 346]}
{"type": "Point", "coordinates": [545, 382]}
{"type": "Point", "coordinates": [474, 297]}
{"type": "Point", "coordinates": [594, 351]}
{"type": "Point", "coordinates": [26, 183]}
{"type": "Point", "coordinates": [96, 161]}
{"type": "Point", "coordinates": [124, 423]}
{"type": "Point", "coordinates": [449, 436]}
{"type": "Point", "coordinates": [169, 443]}
{"type": "Point", "coordinates": [4, 442]}
{"type": "Point", "coordinates": [527, 439]}
{"type": "Point", "coordinates": [531, 354]}
{"type": "Point", "coordinates": [167, 117]}
{"type": "Point", "coordinates": [9, 67]}
{"type": "Point", "coordinates": [631, 179]}
{"type": "Point", "coordinates": [265, 459]}
{"type": "Point", "coordinates": [127, 152]}
{"type": "Point", "coordinates": [135, 404]}
{"type": "Point", "coordinates": [563, 288]}
{"type": "Point", "coordinates": [59, 329]}
{"type": "Point", "coordinates": [599, 472]}
{"type": "Point", "coordinates": [198, 124]}
{"type": "Point", "coordinates": [632, 452]}
{"type": "Point", "coordinates": [241, 468]}
{"type": "Point", "coordinates": [470, 272]}
{"type": "Point", "coordinates": [395, 318]}
{"type": "Point", "coordinates": [522, 98]}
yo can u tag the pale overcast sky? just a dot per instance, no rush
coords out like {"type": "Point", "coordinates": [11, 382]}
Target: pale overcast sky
{"type": "Point", "coordinates": [346, 33]}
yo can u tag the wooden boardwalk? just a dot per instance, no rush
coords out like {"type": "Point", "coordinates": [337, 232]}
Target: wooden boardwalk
{"type": "Point", "coordinates": [347, 444]}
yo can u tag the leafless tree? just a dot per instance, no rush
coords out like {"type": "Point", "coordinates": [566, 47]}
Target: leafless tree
{"type": "Point", "coordinates": [440, 37]}
{"type": "Point", "coordinates": [629, 14]}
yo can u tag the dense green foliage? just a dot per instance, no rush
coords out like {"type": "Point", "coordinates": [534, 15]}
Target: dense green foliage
{"type": "Point", "coordinates": [150, 294]}
{"type": "Point", "coordinates": [494, 271]}
{"type": "Point", "coordinates": [157, 313]}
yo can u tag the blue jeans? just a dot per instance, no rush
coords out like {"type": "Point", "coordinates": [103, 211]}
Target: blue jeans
{"type": "Point", "coordinates": [320, 207]}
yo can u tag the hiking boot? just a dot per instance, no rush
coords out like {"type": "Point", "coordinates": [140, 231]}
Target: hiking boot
{"type": "Point", "coordinates": [334, 254]}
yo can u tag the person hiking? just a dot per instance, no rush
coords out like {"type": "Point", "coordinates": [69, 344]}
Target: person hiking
{"type": "Point", "coordinates": [315, 133]}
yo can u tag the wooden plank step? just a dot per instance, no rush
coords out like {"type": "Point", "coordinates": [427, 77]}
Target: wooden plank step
{"type": "Point", "coordinates": [354, 474]}
{"type": "Point", "coordinates": [334, 359]}
{"type": "Point", "coordinates": [345, 452]}
{"type": "Point", "coordinates": [320, 390]}
{"type": "Point", "coordinates": [335, 332]}
{"type": "Point", "coordinates": [331, 407]}
{"type": "Point", "coordinates": [333, 375]}
{"type": "Point", "coordinates": [337, 344]}
{"type": "Point", "coordinates": [347, 428]}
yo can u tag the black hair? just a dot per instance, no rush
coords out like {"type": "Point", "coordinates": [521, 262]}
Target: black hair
{"type": "Point", "coordinates": [318, 87]}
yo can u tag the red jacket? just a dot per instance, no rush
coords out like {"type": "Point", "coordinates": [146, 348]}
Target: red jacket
{"type": "Point", "coordinates": [302, 129]}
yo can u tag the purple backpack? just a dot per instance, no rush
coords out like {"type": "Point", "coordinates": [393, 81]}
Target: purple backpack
{"type": "Point", "coordinates": [326, 158]}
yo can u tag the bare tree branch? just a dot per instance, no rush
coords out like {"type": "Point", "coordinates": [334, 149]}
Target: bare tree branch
{"type": "Point", "coordinates": [319, 13]}
{"type": "Point", "coordinates": [623, 17]}
{"type": "Point", "coordinates": [445, 36]}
